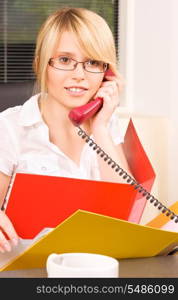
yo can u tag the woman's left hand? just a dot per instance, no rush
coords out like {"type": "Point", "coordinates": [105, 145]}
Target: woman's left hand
{"type": "Point", "coordinates": [109, 91]}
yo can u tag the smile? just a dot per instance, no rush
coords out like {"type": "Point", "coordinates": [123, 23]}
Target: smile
{"type": "Point", "coordinates": [76, 91]}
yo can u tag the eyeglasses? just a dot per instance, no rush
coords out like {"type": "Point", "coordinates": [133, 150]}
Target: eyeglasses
{"type": "Point", "coordinates": [69, 64]}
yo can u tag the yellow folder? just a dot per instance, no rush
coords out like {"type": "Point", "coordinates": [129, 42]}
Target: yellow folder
{"type": "Point", "coordinates": [90, 232]}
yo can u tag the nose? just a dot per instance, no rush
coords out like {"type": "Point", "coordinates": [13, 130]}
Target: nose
{"type": "Point", "coordinates": [78, 72]}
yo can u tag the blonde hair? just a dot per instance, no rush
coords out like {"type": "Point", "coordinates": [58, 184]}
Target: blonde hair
{"type": "Point", "coordinates": [93, 34]}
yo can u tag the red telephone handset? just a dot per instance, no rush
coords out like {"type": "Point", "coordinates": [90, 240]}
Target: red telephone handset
{"type": "Point", "coordinates": [80, 114]}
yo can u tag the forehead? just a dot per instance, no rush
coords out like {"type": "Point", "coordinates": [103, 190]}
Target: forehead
{"type": "Point", "coordinates": [68, 43]}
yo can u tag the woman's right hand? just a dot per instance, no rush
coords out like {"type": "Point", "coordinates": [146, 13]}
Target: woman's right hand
{"type": "Point", "coordinates": [7, 233]}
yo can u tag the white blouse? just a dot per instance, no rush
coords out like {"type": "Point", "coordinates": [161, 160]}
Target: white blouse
{"type": "Point", "coordinates": [25, 146]}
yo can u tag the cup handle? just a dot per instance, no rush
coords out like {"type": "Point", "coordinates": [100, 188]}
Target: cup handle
{"type": "Point", "coordinates": [49, 260]}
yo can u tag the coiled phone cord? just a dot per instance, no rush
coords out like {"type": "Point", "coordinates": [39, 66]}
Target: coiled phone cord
{"type": "Point", "coordinates": [126, 176]}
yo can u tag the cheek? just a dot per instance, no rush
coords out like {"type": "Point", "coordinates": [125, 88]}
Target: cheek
{"type": "Point", "coordinates": [95, 83]}
{"type": "Point", "coordinates": [54, 78]}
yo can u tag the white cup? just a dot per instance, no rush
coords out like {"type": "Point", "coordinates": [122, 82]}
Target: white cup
{"type": "Point", "coordinates": [80, 265]}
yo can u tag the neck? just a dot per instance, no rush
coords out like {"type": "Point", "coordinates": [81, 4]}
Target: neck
{"type": "Point", "coordinates": [55, 114]}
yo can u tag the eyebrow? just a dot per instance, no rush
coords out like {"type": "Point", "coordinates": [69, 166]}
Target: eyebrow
{"type": "Point", "coordinates": [68, 53]}
{"type": "Point", "coordinates": [65, 52]}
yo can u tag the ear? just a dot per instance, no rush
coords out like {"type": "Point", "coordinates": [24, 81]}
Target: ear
{"type": "Point", "coordinates": [35, 64]}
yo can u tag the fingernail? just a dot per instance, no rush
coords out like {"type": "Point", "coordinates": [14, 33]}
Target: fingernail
{"type": "Point", "coordinates": [7, 247]}
{"type": "Point", "coordinates": [15, 241]}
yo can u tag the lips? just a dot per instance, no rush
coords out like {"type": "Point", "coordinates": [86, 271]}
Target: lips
{"type": "Point", "coordinates": [76, 90]}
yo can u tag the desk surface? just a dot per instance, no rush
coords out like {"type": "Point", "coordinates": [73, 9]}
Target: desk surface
{"type": "Point", "coordinates": [157, 267]}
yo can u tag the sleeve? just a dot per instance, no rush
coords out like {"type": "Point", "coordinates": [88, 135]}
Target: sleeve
{"type": "Point", "coordinates": [115, 129]}
{"type": "Point", "coordinates": [8, 158]}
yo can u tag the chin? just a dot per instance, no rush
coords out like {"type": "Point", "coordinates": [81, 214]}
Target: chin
{"type": "Point", "coordinates": [76, 102]}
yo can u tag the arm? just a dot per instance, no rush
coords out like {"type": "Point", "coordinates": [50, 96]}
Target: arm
{"type": "Point", "coordinates": [104, 140]}
{"type": "Point", "coordinates": [5, 224]}
{"type": "Point", "coordinates": [109, 91]}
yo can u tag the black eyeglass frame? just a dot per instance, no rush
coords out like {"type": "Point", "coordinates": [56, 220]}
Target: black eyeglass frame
{"type": "Point", "coordinates": [76, 64]}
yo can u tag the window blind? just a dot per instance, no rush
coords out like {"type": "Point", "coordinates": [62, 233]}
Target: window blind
{"type": "Point", "coordinates": [19, 23]}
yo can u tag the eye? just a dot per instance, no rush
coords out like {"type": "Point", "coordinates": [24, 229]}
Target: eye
{"type": "Point", "coordinates": [93, 63]}
{"type": "Point", "coordinates": [65, 60]}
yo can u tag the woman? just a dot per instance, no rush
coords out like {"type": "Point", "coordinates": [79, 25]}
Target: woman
{"type": "Point", "coordinates": [74, 49]}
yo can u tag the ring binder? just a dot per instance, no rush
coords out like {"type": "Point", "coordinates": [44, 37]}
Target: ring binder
{"type": "Point", "coordinates": [126, 176]}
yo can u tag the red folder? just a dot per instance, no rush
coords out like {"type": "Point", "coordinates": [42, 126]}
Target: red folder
{"type": "Point", "coordinates": [141, 169]}
{"type": "Point", "coordinates": [38, 201]}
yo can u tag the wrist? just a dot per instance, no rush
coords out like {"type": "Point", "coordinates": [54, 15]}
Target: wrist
{"type": "Point", "coordinates": [101, 132]}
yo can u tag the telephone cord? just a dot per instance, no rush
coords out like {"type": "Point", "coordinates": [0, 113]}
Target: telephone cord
{"type": "Point", "coordinates": [136, 185]}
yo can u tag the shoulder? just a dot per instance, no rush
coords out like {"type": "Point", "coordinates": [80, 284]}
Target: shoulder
{"type": "Point", "coordinates": [10, 111]}
{"type": "Point", "coordinates": [12, 116]}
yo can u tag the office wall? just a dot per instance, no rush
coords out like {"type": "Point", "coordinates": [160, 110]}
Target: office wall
{"type": "Point", "coordinates": [149, 63]}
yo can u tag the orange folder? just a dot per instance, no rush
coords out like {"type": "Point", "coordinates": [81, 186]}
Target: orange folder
{"type": "Point", "coordinates": [162, 220]}
{"type": "Point", "coordinates": [38, 201]}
